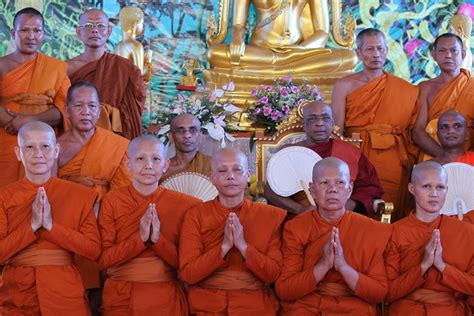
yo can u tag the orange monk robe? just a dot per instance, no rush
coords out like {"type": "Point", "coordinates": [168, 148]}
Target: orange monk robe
{"type": "Point", "coordinates": [435, 293]}
{"type": "Point", "coordinates": [200, 163]}
{"type": "Point", "coordinates": [37, 76]}
{"type": "Point", "coordinates": [142, 277]}
{"type": "Point", "coordinates": [363, 240]}
{"type": "Point", "coordinates": [467, 158]}
{"type": "Point", "coordinates": [120, 85]}
{"type": "Point", "coordinates": [382, 111]}
{"type": "Point", "coordinates": [231, 285]}
{"type": "Point", "coordinates": [456, 95]}
{"type": "Point", "coordinates": [99, 165]}
{"type": "Point", "coordinates": [50, 288]}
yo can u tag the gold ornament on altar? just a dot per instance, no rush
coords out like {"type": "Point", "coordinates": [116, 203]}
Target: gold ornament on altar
{"type": "Point", "coordinates": [289, 39]}
{"type": "Point", "coordinates": [131, 22]}
{"type": "Point", "coordinates": [461, 25]}
{"type": "Point", "coordinates": [189, 79]}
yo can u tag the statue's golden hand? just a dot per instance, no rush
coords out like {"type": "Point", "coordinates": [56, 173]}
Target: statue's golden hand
{"type": "Point", "coordinates": [237, 45]}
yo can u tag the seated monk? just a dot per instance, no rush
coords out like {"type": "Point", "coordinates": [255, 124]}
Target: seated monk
{"type": "Point", "coordinates": [230, 247]}
{"type": "Point", "coordinates": [140, 226]}
{"type": "Point", "coordinates": [33, 87]}
{"type": "Point", "coordinates": [44, 221]}
{"type": "Point", "coordinates": [452, 136]}
{"type": "Point", "coordinates": [430, 258]}
{"type": "Point", "coordinates": [452, 89]}
{"type": "Point", "coordinates": [318, 124]}
{"type": "Point", "coordinates": [332, 258]}
{"type": "Point", "coordinates": [93, 157]}
{"type": "Point", "coordinates": [118, 80]}
{"type": "Point", "coordinates": [380, 107]}
{"type": "Point", "coordinates": [186, 135]}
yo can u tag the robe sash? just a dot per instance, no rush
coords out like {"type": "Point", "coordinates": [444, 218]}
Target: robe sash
{"type": "Point", "coordinates": [428, 296]}
{"type": "Point", "coordinates": [150, 269]}
{"type": "Point", "coordinates": [33, 257]}
{"type": "Point", "coordinates": [232, 280]}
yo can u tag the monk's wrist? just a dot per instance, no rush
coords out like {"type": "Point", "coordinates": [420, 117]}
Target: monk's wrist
{"type": "Point", "coordinates": [441, 266]}
{"type": "Point", "coordinates": [243, 250]}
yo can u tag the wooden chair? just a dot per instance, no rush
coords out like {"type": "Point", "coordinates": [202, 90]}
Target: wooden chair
{"type": "Point", "coordinates": [291, 132]}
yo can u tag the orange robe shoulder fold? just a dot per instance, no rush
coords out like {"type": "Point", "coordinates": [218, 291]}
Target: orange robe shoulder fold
{"type": "Point", "coordinates": [141, 278]}
{"type": "Point", "coordinates": [39, 276]}
{"type": "Point", "coordinates": [364, 242]}
{"type": "Point", "coordinates": [382, 111]}
{"type": "Point", "coordinates": [435, 293]}
{"type": "Point", "coordinates": [231, 285]}
{"type": "Point", "coordinates": [40, 76]}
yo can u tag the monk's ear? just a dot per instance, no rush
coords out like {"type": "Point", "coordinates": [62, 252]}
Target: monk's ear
{"type": "Point", "coordinates": [56, 148]}
{"type": "Point", "coordinates": [170, 137]}
{"type": "Point", "coordinates": [351, 187]}
{"type": "Point", "coordinates": [463, 53]}
{"type": "Point", "coordinates": [411, 188]}
{"type": "Point", "coordinates": [127, 163]}
{"type": "Point", "coordinates": [78, 31]}
{"type": "Point", "coordinates": [13, 33]}
{"type": "Point", "coordinates": [17, 153]}
{"type": "Point", "coordinates": [166, 165]}
{"type": "Point", "coordinates": [311, 190]}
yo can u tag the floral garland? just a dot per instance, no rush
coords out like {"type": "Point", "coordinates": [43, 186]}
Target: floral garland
{"type": "Point", "coordinates": [207, 105]}
{"type": "Point", "coordinates": [274, 103]}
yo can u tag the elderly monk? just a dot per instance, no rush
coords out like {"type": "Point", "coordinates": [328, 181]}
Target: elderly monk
{"type": "Point", "coordinates": [44, 221]}
{"type": "Point", "coordinates": [380, 107]}
{"type": "Point", "coordinates": [230, 246]}
{"type": "Point", "coordinates": [140, 226]}
{"type": "Point", "coordinates": [93, 157]}
{"type": "Point", "coordinates": [332, 258]}
{"type": "Point", "coordinates": [33, 87]}
{"type": "Point", "coordinates": [318, 124]}
{"type": "Point", "coordinates": [452, 135]}
{"type": "Point", "coordinates": [452, 89]}
{"type": "Point", "coordinates": [186, 135]}
{"type": "Point", "coordinates": [430, 259]}
{"type": "Point", "coordinates": [119, 81]}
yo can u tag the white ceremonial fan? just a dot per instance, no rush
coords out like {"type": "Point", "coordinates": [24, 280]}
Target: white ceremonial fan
{"type": "Point", "coordinates": [460, 195]}
{"type": "Point", "coordinates": [289, 167]}
{"type": "Point", "coordinates": [192, 183]}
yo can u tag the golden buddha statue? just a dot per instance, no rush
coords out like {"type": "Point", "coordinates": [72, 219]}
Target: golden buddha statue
{"type": "Point", "coordinates": [289, 39]}
{"type": "Point", "coordinates": [131, 22]}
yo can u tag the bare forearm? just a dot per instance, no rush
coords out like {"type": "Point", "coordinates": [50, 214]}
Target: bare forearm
{"type": "Point", "coordinates": [426, 143]}
{"type": "Point", "coordinates": [51, 117]}
{"type": "Point", "coordinates": [4, 116]}
{"type": "Point", "coordinates": [350, 276]}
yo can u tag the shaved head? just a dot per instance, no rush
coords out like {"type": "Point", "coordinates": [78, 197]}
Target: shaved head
{"type": "Point", "coordinates": [35, 127]}
{"type": "Point", "coordinates": [451, 113]}
{"type": "Point", "coordinates": [27, 11]}
{"type": "Point", "coordinates": [315, 106]}
{"type": "Point", "coordinates": [93, 11]}
{"type": "Point", "coordinates": [318, 121]}
{"type": "Point", "coordinates": [427, 166]}
{"type": "Point", "coordinates": [331, 163]}
{"type": "Point", "coordinates": [360, 39]}
{"type": "Point", "coordinates": [229, 153]}
{"type": "Point", "coordinates": [148, 139]}
{"type": "Point", "coordinates": [185, 119]}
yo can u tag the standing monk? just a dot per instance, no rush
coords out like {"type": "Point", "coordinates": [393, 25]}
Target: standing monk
{"type": "Point", "coordinates": [452, 89]}
{"type": "Point", "coordinates": [119, 81]}
{"type": "Point", "coordinates": [33, 87]}
{"type": "Point", "coordinates": [186, 135]}
{"type": "Point", "coordinates": [318, 124]}
{"type": "Point", "coordinates": [332, 258]}
{"type": "Point", "coordinates": [430, 258]}
{"type": "Point", "coordinates": [230, 247]}
{"type": "Point", "coordinates": [140, 226]}
{"type": "Point", "coordinates": [452, 136]}
{"type": "Point", "coordinates": [93, 157]}
{"type": "Point", "coordinates": [381, 108]}
{"type": "Point", "coordinates": [44, 221]}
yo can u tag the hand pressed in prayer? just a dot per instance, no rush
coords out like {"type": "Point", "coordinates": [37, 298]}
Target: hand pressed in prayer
{"type": "Point", "coordinates": [429, 255]}
{"type": "Point", "coordinates": [339, 259]}
{"type": "Point", "coordinates": [238, 234]}
{"type": "Point", "coordinates": [145, 224]}
{"type": "Point", "coordinates": [37, 212]}
{"type": "Point", "coordinates": [47, 219]}
{"type": "Point", "coordinates": [438, 261]}
{"type": "Point", "coordinates": [327, 260]}
{"type": "Point", "coordinates": [155, 225]}
{"type": "Point", "coordinates": [228, 241]}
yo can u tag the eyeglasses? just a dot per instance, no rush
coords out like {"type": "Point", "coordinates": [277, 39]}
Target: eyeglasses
{"type": "Point", "coordinates": [90, 26]}
{"type": "Point", "coordinates": [182, 131]}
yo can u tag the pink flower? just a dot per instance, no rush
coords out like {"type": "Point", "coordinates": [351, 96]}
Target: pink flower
{"type": "Point", "coordinates": [219, 121]}
{"type": "Point", "coordinates": [315, 91]}
{"type": "Point", "coordinates": [295, 89]}
{"type": "Point", "coordinates": [267, 110]}
{"type": "Point", "coordinates": [411, 46]}
{"type": "Point", "coordinates": [254, 92]}
{"type": "Point", "coordinates": [288, 78]}
{"type": "Point", "coordinates": [263, 100]}
{"type": "Point", "coordinates": [467, 9]}
{"type": "Point", "coordinates": [276, 115]}
{"type": "Point", "coordinates": [286, 108]}
{"type": "Point", "coordinates": [268, 88]}
{"type": "Point", "coordinates": [257, 111]}
{"type": "Point", "coordinates": [284, 92]}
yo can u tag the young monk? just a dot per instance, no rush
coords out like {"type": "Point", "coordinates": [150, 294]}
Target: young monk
{"type": "Point", "coordinates": [140, 226]}
{"type": "Point", "coordinates": [332, 258]}
{"type": "Point", "coordinates": [430, 258]}
{"type": "Point", "coordinates": [44, 221]}
{"type": "Point", "coordinates": [230, 246]}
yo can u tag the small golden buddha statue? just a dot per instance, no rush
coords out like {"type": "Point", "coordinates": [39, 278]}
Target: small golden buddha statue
{"type": "Point", "coordinates": [289, 39]}
{"type": "Point", "coordinates": [131, 22]}
{"type": "Point", "coordinates": [189, 79]}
